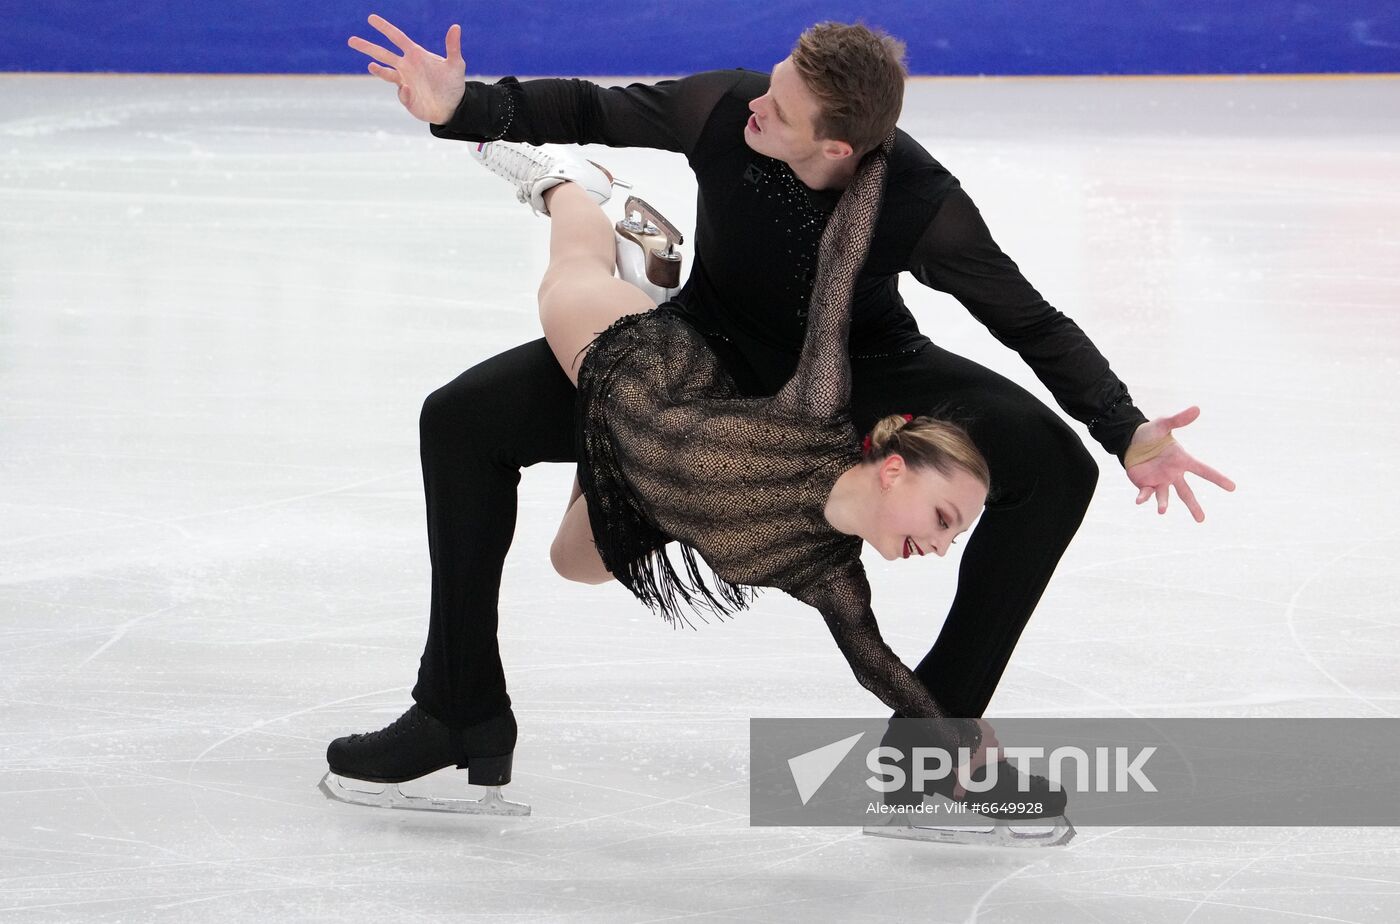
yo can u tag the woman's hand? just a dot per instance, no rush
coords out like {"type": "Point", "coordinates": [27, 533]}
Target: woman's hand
{"type": "Point", "coordinates": [430, 86]}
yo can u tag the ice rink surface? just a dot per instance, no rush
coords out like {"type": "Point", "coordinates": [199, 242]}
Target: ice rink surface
{"type": "Point", "coordinates": [222, 302]}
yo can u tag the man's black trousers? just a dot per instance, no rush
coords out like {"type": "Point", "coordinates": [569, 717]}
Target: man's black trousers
{"type": "Point", "coordinates": [517, 409]}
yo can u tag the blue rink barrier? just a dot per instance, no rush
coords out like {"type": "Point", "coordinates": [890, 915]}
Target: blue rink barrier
{"type": "Point", "coordinates": [610, 37]}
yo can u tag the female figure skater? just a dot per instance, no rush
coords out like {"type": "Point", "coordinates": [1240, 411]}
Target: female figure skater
{"type": "Point", "coordinates": [772, 491]}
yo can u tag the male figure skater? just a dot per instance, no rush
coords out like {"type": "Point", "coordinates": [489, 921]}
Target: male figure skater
{"type": "Point", "coordinates": [771, 154]}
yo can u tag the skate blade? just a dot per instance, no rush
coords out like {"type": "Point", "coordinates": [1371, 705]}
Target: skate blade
{"type": "Point", "coordinates": [641, 213]}
{"type": "Point", "coordinates": [656, 259]}
{"type": "Point", "coordinates": [1054, 833]}
{"type": "Point", "coordinates": [388, 795]}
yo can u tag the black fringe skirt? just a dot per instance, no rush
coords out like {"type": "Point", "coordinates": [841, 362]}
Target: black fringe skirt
{"type": "Point", "coordinates": [629, 539]}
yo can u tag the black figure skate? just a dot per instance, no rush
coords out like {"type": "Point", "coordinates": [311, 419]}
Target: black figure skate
{"type": "Point", "coordinates": [954, 821]}
{"type": "Point", "coordinates": [415, 745]}
{"type": "Point", "coordinates": [1004, 816]}
{"type": "Point", "coordinates": [972, 829]}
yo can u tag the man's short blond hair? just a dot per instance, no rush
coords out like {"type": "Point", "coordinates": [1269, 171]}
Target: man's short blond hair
{"type": "Point", "coordinates": [857, 75]}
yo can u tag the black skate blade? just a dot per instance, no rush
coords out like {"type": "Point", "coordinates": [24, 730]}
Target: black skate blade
{"type": "Point", "coordinates": [377, 795]}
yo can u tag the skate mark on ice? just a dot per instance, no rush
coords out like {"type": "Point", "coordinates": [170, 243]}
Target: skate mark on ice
{"type": "Point", "coordinates": [1107, 563]}
{"type": "Point", "coordinates": [121, 632]}
{"type": "Point", "coordinates": [1206, 900]}
{"type": "Point", "coordinates": [978, 906]}
{"type": "Point", "coordinates": [649, 802]}
{"type": "Point", "coordinates": [743, 912]}
{"type": "Point", "coordinates": [261, 723]}
{"type": "Point", "coordinates": [1291, 611]}
{"type": "Point", "coordinates": [130, 520]}
{"type": "Point", "coordinates": [1261, 699]}
{"type": "Point", "coordinates": [189, 770]}
{"type": "Point", "coordinates": [243, 508]}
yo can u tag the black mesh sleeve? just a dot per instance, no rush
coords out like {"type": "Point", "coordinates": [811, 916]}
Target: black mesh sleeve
{"type": "Point", "coordinates": [843, 599]}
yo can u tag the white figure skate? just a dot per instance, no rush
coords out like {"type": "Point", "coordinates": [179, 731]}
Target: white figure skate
{"type": "Point", "coordinates": [534, 170]}
{"type": "Point", "coordinates": [648, 246]}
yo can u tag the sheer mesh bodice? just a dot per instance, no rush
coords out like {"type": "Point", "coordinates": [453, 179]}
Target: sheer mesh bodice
{"type": "Point", "coordinates": [670, 450]}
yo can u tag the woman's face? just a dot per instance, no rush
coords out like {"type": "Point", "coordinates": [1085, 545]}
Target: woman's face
{"type": "Point", "coordinates": [921, 511]}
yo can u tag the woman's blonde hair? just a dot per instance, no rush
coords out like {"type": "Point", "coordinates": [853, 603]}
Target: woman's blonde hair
{"type": "Point", "coordinates": [927, 442]}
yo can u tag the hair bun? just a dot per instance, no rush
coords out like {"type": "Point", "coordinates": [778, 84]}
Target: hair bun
{"type": "Point", "coordinates": [885, 432]}
{"type": "Point", "coordinates": [926, 442]}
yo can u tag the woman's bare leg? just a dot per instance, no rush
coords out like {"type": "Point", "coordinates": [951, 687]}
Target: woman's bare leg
{"type": "Point", "coordinates": [579, 295]}
{"type": "Point", "coordinates": [573, 553]}
{"type": "Point", "coordinates": [579, 298]}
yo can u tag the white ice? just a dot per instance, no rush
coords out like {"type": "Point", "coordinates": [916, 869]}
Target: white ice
{"type": "Point", "coordinates": [222, 301]}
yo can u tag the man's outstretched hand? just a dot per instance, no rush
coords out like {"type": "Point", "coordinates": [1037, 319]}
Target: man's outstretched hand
{"type": "Point", "coordinates": [1168, 464]}
{"type": "Point", "coordinates": [430, 87]}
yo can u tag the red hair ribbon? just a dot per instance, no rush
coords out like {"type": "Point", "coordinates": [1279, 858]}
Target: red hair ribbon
{"type": "Point", "coordinates": [865, 443]}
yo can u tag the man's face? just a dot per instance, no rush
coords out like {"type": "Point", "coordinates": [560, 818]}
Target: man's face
{"type": "Point", "coordinates": [783, 122]}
